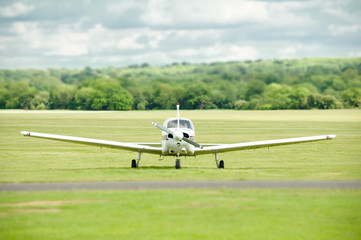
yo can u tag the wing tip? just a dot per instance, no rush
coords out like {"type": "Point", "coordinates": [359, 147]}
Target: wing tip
{"type": "Point", "coordinates": [330, 136]}
{"type": "Point", "coordinates": [25, 133]}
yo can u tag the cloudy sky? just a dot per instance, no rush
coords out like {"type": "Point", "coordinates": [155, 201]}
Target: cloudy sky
{"type": "Point", "coordinates": [100, 33]}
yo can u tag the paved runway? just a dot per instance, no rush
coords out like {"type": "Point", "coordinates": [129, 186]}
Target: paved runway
{"type": "Point", "coordinates": [139, 185]}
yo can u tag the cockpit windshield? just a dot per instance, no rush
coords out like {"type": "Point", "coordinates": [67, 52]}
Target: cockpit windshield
{"type": "Point", "coordinates": [182, 124]}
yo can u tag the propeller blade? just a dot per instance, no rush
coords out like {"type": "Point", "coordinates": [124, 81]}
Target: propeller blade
{"type": "Point", "coordinates": [192, 142]}
{"type": "Point", "coordinates": [162, 128]}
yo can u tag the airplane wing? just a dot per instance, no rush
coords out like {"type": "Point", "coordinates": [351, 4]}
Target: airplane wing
{"type": "Point", "coordinates": [135, 147]}
{"type": "Point", "coordinates": [258, 144]}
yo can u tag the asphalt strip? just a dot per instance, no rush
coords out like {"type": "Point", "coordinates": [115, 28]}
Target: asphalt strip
{"type": "Point", "coordinates": [140, 185]}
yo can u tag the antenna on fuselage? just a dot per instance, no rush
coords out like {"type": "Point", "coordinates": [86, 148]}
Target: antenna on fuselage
{"type": "Point", "coordinates": [178, 115]}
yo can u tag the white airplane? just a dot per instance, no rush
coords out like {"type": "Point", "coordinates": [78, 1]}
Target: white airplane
{"type": "Point", "coordinates": [178, 140]}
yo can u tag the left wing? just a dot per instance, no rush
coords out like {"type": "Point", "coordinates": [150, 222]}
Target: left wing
{"type": "Point", "coordinates": [135, 147]}
{"type": "Point", "coordinates": [258, 144]}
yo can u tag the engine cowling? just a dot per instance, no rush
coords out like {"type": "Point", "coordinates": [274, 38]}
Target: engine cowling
{"type": "Point", "coordinates": [178, 135]}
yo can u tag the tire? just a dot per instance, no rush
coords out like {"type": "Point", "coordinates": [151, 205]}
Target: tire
{"type": "Point", "coordinates": [221, 164]}
{"type": "Point", "coordinates": [177, 164]}
{"type": "Point", "coordinates": [134, 163]}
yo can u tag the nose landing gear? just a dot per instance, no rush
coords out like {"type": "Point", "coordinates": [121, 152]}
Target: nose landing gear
{"type": "Point", "coordinates": [177, 162]}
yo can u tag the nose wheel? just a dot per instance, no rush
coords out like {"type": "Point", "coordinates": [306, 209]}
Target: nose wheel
{"type": "Point", "coordinates": [177, 162]}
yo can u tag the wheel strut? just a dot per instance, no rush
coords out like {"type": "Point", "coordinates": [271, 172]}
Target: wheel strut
{"type": "Point", "coordinates": [221, 162]}
{"type": "Point", "coordinates": [135, 163]}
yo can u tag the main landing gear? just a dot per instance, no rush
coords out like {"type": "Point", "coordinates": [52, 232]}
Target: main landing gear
{"type": "Point", "coordinates": [135, 163]}
{"type": "Point", "coordinates": [221, 162]}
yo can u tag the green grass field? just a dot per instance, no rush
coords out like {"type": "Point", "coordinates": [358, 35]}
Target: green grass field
{"type": "Point", "coordinates": [180, 214]}
{"type": "Point", "coordinates": [25, 159]}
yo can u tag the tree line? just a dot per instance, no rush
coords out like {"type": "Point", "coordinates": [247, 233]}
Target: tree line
{"type": "Point", "coordinates": [321, 83]}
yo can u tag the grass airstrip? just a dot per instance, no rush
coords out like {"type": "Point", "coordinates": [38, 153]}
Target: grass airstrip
{"type": "Point", "coordinates": [180, 214]}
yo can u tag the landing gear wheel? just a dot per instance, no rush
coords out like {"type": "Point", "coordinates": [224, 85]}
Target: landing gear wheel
{"type": "Point", "coordinates": [177, 164]}
{"type": "Point", "coordinates": [134, 163]}
{"type": "Point", "coordinates": [221, 164]}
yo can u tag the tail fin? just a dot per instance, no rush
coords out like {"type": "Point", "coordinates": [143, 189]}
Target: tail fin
{"type": "Point", "coordinates": [178, 117]}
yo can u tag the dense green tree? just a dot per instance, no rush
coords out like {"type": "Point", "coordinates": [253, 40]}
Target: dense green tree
{"type": "Point", "coordinates": [4, 96]}
{"type": "Point", "coordinates": [62, 97]}
{"type": "Point", "coordinates": [321, 102]}
{"type": "Point", "coordinates": [19, 95]}
{"type": "Point", "coordinates": [165, 96]}
{"type": "Point", "coordinates": [277, 96]}
{"type": "Point", "coordinates": [40, 101]}
{"type": "Point", "coordinates": [276, 84]}
{"type": "Point", "coordinates": [197, 97]}
{"type": "Point", "coordinates": [103, 94]}
{"type": "Point", "coordinates": [298, 98]}
{"type": "Point", "coordinates": [84, 98]}
{"type": "Point", "coordinates": [352, 97]}
{"type": "Point", "coordinates": [254, 88]}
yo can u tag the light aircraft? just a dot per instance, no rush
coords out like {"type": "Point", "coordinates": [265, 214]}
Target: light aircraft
{"type": "Point", "coordinates": [178, 139]}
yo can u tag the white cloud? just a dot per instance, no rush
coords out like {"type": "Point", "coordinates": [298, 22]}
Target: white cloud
{"type": "Point", "coordinates": [217, 52]}
{"type": "Point", "coordinates": [15, 9]}
{"type": "Point", "coordinates": [290, 14]}
{"type": "Point", "coordinates": [337, 30]}
{"type": "Point", "coordinates": [287, 51]}
{"type": "Point", "coordinates": [298, 49]}
{"type": "Point", "coordinates": [158, 12]}
{"type": "Point", "coordinates": [335, 9]}
{"type": "Point", "coordinates": [21, 28]}
{"type": "Point", "coordinates": [129, 43]}
{"type": "Point", "coordinates": [213, 12]}
{"type": "Point", "coordinates": [355, 54]}
{"type": "Point", "coordinates": [28, 33]}
{"type": "Point", "coordinates": [66, 43]}
{"type": "Point", "coordinates": [123, 6]}
{"type": "Point", "coordinates": [343, 11]}
{"type": "Point", "coordinates": [150, 57]}
{"type": "Point", "coordinates": [71, 40]}
{"type": "Point", "coordinates": [163, 31]}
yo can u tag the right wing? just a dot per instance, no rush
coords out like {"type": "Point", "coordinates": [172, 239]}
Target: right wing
{"type": "Point", "coordinates": [135, 147]}
{"type": "Point", "coordinates": [258, 144]}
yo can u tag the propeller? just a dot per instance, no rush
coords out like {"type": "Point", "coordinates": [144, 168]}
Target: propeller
{"type": "Point", "coordinates": [177, 135]}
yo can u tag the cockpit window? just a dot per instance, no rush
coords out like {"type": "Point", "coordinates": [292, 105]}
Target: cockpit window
{"type": "Point", "coordinates": [182, 124]}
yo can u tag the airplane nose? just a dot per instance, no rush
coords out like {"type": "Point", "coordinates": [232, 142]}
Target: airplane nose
{"type": "Point", "coordinates": [178, 136]}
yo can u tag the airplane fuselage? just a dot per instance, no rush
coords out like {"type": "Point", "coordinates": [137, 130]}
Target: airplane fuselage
{"type": "Point", "coordinates": [172, 144]}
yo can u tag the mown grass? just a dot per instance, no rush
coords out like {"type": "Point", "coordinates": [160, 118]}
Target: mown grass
{"type": "Point", "coordinates": [181, 214]}
{"type": "Point", "coordinates": [24, 159]}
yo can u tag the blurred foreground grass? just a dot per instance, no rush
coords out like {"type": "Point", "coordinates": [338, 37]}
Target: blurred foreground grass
{"type": "Point", "coordinates": [182, 214]}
